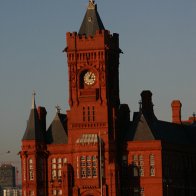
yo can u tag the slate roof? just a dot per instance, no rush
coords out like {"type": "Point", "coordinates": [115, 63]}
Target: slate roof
{"type": "Point", "coordinates": [33, 130]}
{"type": "Point", "coordinates": [91, 22]}
{"type": "Point", "coordinates": [142, 129]}
{"type": "Point", "coordinates": [57, 133]}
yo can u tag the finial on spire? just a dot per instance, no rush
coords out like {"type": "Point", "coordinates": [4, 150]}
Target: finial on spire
{"type": "Point", "coordinates": [91, 4]}
{"type": "Point", "coordinates": [58, 108]}
{"type": "Point", "coordinates": [33, 100]}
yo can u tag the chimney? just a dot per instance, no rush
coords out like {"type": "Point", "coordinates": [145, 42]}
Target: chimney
{"type": "Point", "coordinates": [42, 117]}
{"type": "Point", "coordinates": [147, 105]}
{"type": "Point", "coordinates": [176, 111]}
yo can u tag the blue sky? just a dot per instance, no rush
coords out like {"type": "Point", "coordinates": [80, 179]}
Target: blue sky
{"type": "Point", "coordinates": [158, 38]}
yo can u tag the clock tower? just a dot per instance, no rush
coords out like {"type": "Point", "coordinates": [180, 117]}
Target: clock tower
{"type": "Point", "coordinates": [93, 68]}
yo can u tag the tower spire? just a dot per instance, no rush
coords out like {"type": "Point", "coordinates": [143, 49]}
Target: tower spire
{"type": "Point", "coordinates": [92, 21]}
{"type": "Point", "coordinates": [33, 100]}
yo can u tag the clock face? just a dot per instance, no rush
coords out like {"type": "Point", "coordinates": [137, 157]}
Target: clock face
{"type": "Point", "coordinates": [89, 78]}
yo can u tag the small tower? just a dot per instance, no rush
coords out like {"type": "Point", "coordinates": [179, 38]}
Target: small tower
{"type": "Point", "coordinates": [33, 156]}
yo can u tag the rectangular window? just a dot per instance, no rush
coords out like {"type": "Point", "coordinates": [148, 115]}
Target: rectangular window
{"type": "Point", "coordinates": [84, 114]}
{"type": "Point", "coordinates": [54, 174]}
{"type": "Point", "coordinates": [89, 118]}
{"type": "Point", "coordinates": [24, 169]}
{"type": "Point", "coordinates": [141, 165]}
{"type": "Point", "coordinates": [152, 165]}
{"type": "Point", "coordinates": [54, 192]}
{"type": "Point", "coordinates": [93, 113]}
{"type": "Point", "coordinates": [31, 193]}
{"type": "Point", "coordinates": [88, 172]}
{"type": "Point", "coordinates": [94, 172]}
{"type": "Point", "coordinates": [83, 172]}
{"type": "Point", "coordinates": [136, 191]}
{"type": "Point", "coordinates": [135, 159]}
{"type": "Point", "coordinates": [94, 168]}
{"type": "Point", "coordinates": [83, 167]}
{"type": "Point", "coordinates": [57, 167]}
{"type": "Point", "coordinates": [142, 191]}
{"type": "Point", "coordinates": [31, 172]}
{"type": "Point", "coordinates": [88, 166]}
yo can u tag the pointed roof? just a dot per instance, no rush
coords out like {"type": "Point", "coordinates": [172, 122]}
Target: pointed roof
{"type": "Point", "coordinates": [56, 133]}
{"type": "Point", "coordinates": [142, 129]}
{"type": "Point", "coordinates": [92, 21]}
{"type": "Point", "coordinates": [33, 131]}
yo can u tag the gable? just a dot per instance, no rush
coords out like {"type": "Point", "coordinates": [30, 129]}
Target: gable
{"type": "Point", "coordinates": [142, 130]}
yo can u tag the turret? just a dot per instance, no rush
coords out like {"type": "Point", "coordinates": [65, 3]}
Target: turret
{"type": "Point", "coordinates": [33, 131]}
{"type": "Point", "coordinates": [33, 154]}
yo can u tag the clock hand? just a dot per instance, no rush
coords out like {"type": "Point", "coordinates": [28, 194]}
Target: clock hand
{"type": "Point", "coordinates": [90, 76]}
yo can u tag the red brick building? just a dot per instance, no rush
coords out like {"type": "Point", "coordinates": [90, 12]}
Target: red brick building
{"type": "Point", "coordinates": [95, 149]}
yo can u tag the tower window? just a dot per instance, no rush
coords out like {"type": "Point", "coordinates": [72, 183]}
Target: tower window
{"type": "Point", "coordinates": [88, 113]}
{"type": "Point", "coordinates": [31, 172]}
{"type": "Point", "coordinates": [93, 113]}
{"type": "Point", "coordinates": [84, 114]}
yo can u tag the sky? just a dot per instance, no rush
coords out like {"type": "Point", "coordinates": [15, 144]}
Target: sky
{"type": "Point", "coordinates": [157, 37]}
